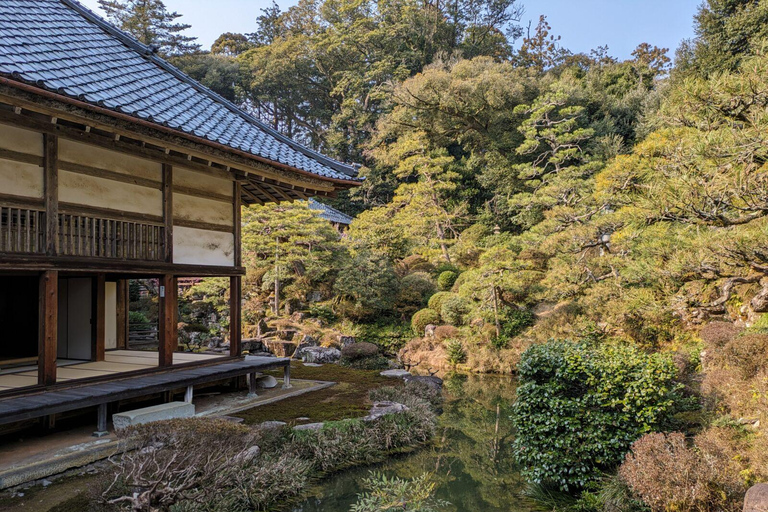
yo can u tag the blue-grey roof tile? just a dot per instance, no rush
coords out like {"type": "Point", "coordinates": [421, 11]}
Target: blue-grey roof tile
{"type": "Point", "coordinates": [61, 46]}
{"type": "Point", "coordinates": [330, 214]}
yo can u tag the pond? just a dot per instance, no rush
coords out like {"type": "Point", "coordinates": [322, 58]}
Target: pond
{"type": "Point", "coordinates": [470, 459]}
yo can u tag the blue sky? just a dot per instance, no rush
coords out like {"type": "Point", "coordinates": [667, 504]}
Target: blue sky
{"type": "Point", "coordinates": [583, 24]}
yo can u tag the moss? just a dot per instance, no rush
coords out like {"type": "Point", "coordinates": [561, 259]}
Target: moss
{"type": "Point", "coordinates": [347, 399]}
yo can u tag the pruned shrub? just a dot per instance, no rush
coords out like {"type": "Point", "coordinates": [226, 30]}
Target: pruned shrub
{"type": "Point", "coordinates": [747, 353]}
{"type": "Point", "coordinates": [363, 356]}
{"type": "Point", "coordinates": [422, 319]}
{"type": "Point", "coordinates": [516, 321]}
{"type": "Point", "coordinates": [436, 301]}
{"type": "Point", "coordinates": [446, 279]}
{"type": "Point", "coordinates": [668, 474]}
{"type": "Point", "coordinates": [455, 352]}
{"type": "Point", "coordinates": [717, 334]}
{"type": "Point", "coordinates": [580, 407]}
{"type": "Point", "coordinates": [444, 332]}
{"type": "Point", "coordinates": [359, 350]}
{"type": "Point", "coordinates": [454, 309]}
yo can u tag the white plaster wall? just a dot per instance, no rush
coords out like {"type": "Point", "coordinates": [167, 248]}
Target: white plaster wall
{"type": "Point", "coordinates": [200, 247]}
{"type": "Point", "coordinates": [203, 182]}
{"type": "Point", "coordinates": [104, 193]}
{"type": "Point", "coordinates": [202, 210]}
{"type": "Point", "coordinates": [23, 141]}
{"type": "Point", "coordinates": [20, 179]}
{"type": "Point", "coordinates": [94, 156]}
{"type": "Point", "coordinates": [110, 311]}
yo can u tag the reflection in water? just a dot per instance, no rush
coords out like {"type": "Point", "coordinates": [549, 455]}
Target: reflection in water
{"type": "Point", "coordinates": [470, 457]}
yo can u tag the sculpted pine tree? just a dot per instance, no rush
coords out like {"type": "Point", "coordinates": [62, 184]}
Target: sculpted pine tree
{"type": "Point", "coordinates": [150, 22]}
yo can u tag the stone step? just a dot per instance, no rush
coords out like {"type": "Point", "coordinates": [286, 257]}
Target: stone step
{"type": "Point", "coordinates": [160, 412]}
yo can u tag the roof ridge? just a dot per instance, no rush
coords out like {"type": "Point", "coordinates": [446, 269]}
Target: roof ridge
{"type": "Point", "coordinates": [147, 52]}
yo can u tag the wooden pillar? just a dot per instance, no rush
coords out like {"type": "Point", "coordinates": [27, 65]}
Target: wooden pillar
{"type": "Point", "coordinates": [168, 211]}
{"type": "Point", "coordinates": [235, 316]}
{"type": "Point", "coordinates": [51, 187]}
{"type": "Point", "coordinates": [122, 313]}
{"type": "Point", "coordinates": [237, 224]}
{"type": "Point", "coordinates": [168, 328]}
{"type": "Point", "coordinates": [98, 345]}
{"type": "Point", "coordinates": [48, 328]}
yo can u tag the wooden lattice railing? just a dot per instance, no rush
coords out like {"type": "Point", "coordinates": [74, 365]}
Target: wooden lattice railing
{"type": "Point", "coordinates": [22, 230]}
{"type": "Point", "coordinates": [86, 236]}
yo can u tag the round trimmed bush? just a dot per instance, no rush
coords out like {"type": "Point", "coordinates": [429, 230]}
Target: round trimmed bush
{"type": "Point", "coordinates": [717, 334]}
{"type": "Point", "coordinates": [446, 279]}
{"type": "Point", "coordinates": [422, 319]}
{"type": "Point", "coordinates": [420, 284]}
{"type": "Point", "coordinates": [359, 350]}
{"type": "Point", "coordinates": [444, 332]}
{"type": "Point", "coordinates": [436, 301]}
{"type": "Point", "coordinates": [454, 309]}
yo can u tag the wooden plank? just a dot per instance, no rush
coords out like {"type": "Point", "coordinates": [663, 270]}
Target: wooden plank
{"type": "Point", "coordinates": [109, 213]}
{"type": "Point", "coordinates": [207, 226]}
{"type": "Point", "coordinates": [213, 196]}
{"type": "Point", "coordinates": [16, 156]}
{"type": "Point", "coordinates": [109, 175]}
{"type": "Point", "coordinates": [235, 316]}
{"type": "Point", "coordinates": [168, 328]}
{"type": "Point", "coordinates": [98, 345]}
{"type": "Point", "coordinates": [48, 328]}
{"type": "Point", "coordinates": [168, 212]}
{"type": "Point", "coordinates": [51, 191]}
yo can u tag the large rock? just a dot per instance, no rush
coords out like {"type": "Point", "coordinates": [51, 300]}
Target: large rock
{"type": "Point", "coordinates": [433, 382]}
{"type": "Point", "coordinates": [380, 409]}
{"type": "Point", "coordinates": [286, 334]}
{"type": "Point", "coordinates": [280, 348]}
{"type": "Point", "coordinates": [320, 354]}
{"type": "Point", "coordinates": [160, 412]}
{"type": "Point", "coordinates": [309, 426]}
{"type": "Point", "coordinates": [429, 331]}
{"type": "Point", "coordinates": [252, 345]}
{"type": "Point", "coordinates": [346, 340]}
{"type": "Point", "coordinates": [756, 499]}
{"type": "Point", "coordinates": [305, 341]}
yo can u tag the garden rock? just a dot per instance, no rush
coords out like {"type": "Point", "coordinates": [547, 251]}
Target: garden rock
{"type": "Point", "coordinates": [273, 424]}
{"type": "Point", "coordinates": [313, 365]}
{"type": "Point", "coordinates": [262, 328]}
{"type": "Point", "coordinates": [248, 455]}
{"type": "Point", "coordinates": [756, 499]}
{"type": "Point", "coordinates": [252, 345]}
{"type": "Point", "coordinates": [320, 355]}
{"type": "Point", "coordinates": [380, 409]}
{"type": "Point", "coordinates": [432, 382]}
{"type": "Point", "coordinates": [345, 341]}
{"type": "Point", "coordinates": [281, 348]}
{"type": "Point", "coordinates": [259, 354]}
{"type": "Point", "coordinates": [309, 426]}
{"type": "Point", "coordinates": [429, 331]}
{"type": "Point", "coordinates": [396, 374]}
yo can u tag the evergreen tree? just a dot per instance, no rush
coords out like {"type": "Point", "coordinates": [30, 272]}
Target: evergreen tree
{"type": "Point", "coordinates": [150, 22]}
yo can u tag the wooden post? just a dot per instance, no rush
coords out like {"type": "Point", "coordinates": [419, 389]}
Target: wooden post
{"type": "Point", "coordinates": [235, 316]}
{"type": "Point", "coordinates": [122, 313]}
{"type": "Point", "coordinates": [98, 346]}
{"type": "Point", "coordinates": [168, 328]}
{"type": "Point", "coordinates": [287, 376]}
{"type": "Point", "coordinates": [252, 385]}
{"type": "Point", "coordinates": [101, 421]}
{"type": "Point", "coordinates": [48, 328]}
{"type": "Point", "coordinates": [237, 225]}
{"type": "Point", "coordinates": [168, 211]}
{"type": "Point", "coordinates": [51, 186]}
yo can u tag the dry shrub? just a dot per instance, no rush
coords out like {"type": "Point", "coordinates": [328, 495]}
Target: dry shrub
{"type": "Point", "coordinates": [717, 334]}
{"type": "Point", "coordinates": [748, 354]}
{"type": "Point", "coordinates": [667, 474]}
{"type": "Point", "coordinates": [444, 332]}
{"type": "Point", "coordinates": [424, 353]}
{"type": "Point", "coordinates": [486, 359]}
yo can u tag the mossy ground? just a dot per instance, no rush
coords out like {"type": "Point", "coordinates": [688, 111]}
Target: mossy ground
{"type": "Point", "coordinates": [347, 399]}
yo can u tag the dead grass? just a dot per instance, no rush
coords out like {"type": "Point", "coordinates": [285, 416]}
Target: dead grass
{"type": "Point", "coordinates": [347, 399]}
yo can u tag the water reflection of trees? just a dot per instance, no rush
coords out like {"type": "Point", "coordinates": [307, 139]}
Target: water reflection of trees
{"type": "Point", "coordinates": [471, 457]}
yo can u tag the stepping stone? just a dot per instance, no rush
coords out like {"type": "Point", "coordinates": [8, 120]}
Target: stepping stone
{"type": "Point", "coordinates": [160, 412]}
{"type": "Point", "coordinates": [396, 374]}
{"type": "Point", "coordinates": [313, 365]}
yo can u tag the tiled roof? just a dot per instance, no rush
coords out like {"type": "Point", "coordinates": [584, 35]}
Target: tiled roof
{"type": "Point", "coordinates": [63, 47]}
{"type": "Point", "coordinates": [330, 214]}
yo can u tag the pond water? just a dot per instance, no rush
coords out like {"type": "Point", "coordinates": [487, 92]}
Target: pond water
{"type": "Point", "coordinates": [470, 460]}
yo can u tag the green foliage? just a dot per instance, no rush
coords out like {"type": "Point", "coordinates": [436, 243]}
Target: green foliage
{"type": "Point", "coordinates": [436, 301]}
{"type": "Point", "coordinates": [424, 318]}
{"type": "Point", "coordinates": [516, 321]}
{"type": "Point", "coordinates": [455, 351]}
{"type": "Point", "coordinates": [579, 408]}
{"type": "Point", "coordinates": [370, 283]}
{"type": "Point", "coordinates": [136, 317]}
{"type": "Point", "coordinates": [446, 279]}
{"type": "Point", "coordinates": [454, 309]}
{"type": "Point", "coordinates": [322, 311]}
{"type": "Point", "coordinates": [374, 362]}
{"type": "Point", "coordinates": [385, 494]}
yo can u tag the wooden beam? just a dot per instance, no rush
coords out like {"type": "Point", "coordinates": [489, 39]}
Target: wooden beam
{"type": "Point", "coordinates": [263, 190]}
{"type": "Point", "coordinates": [280, 192]}
{"type": "Point", "coordinates": [237, 224]}
{"type": "Point", "coordinates": [167, 318]}
{"type": "Point", "coordinates": [51, 186]}
{"type": "Point", "coordinates": [235, 316]}
{"type": "Point", "coordinates": [251, 195]}
{"type": "Point", "coordinates": [99, 340]}
{"type": "Point", "coordinates": [48, 326]}
{"type": "Point", "coordinates": [168, 211]}
{"type": "Point", "coordinates": [122, 313]}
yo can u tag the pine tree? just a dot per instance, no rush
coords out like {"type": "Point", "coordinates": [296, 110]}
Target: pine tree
{"type": "Point", "coordinates": [150, 22]}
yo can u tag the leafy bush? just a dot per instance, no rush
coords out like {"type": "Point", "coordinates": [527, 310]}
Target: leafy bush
{"type": "Point", "coordinates": [444, 332]}
{"type": "Point", "coordinates": [516, 321]}
{"type": "Point", "coordinates": [717, 334]}
{"type": "Point", "coordinates": [446, 279]}
{"type": "Point", "coordinates": [667, 474]}
{"type": "Point", "coordinates": [388, 336]}
{"type": "Point", "coordinates": [454, 309]}
{"type": "Point", "coordinates": [422, 319]}
{"type": "Point", "coordinates": [436, 300]}
{"type": "Point", "coordinates": [455, 352]}
{"type": "Point", "coordinates": [377, 362]}
{"type": "Point", "coordinates": [395, 494]}
{"type": "Point", "coordinates": [579, 408]}
{"type": "Point", "coordinates": [419, 283]}
{"type": "Point", "coordinates": [322, 312]}
{"type": "Point", "coordinates": [135, 317]}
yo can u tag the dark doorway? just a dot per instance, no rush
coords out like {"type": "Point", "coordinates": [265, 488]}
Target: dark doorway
{"type": "Point", "coordinates": [18, 317]}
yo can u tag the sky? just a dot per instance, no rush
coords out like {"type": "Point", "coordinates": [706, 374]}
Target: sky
{"type": "Point", "coordinates": [582, 24]}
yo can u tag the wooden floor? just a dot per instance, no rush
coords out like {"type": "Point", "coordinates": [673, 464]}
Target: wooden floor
{"type": "Point", "coordinates": [116, 361]}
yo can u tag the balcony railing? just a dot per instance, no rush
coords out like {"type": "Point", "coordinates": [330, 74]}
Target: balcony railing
{"type": "Point", "coordinates": [23, 231]}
